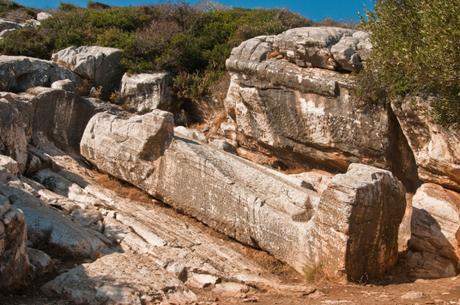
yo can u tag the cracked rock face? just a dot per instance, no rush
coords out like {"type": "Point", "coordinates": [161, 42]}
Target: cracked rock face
{"type": "Point", "coordinates": [40, 116]}
{"type": "Point", "coordinates": [262, 207]}
{"type": "Point", "coordinates": [289, 95]}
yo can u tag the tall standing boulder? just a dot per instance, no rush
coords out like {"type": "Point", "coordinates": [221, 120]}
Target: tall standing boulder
{"type": "Point", "coordinates": [100, 65]}
{"type": "Point", "coordinates": [435, 240]}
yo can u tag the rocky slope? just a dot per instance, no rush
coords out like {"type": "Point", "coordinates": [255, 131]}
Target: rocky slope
{"type": "Point", "coordinates": [291, 99]}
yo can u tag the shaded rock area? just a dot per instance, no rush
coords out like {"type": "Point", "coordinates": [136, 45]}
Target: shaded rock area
{"type": "Point", "coordinates": [436, 148]}
{"type": "Point", "coordinates": [435, 237]}
{"type": "Point", "coordinates": [145, 92]}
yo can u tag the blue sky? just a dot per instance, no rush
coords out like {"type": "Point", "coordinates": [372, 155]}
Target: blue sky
{"type": "Point", "coordinates": [344, 10]}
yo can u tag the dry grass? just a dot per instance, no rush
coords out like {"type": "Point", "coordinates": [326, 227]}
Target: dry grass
{"type": "Point", "coordinates": [123, 189]}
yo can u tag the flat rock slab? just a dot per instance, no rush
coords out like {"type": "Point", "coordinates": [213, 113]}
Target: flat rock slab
{"type": "Point", "coordinates": [120, 279]}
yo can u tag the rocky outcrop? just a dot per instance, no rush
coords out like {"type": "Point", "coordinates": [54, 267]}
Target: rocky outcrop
{"type": "Point", "coordinates": [67, 116]}
{"type": "Point", "coordinates": [127, 147]}
{"type": "Point", "coordinates": [145, 92]}
{"type": "Point", "coordinates": [98, 64]}
{"type": "Point", "coordinates": [14, 261]}
{"type": "Point", "coordinates": [436, 148]}
{"type": "Point", "coordinates": [323, 47]}
{"type": "Point", "coordinates": [262, 207]}
{"type": "Point", "coordinates": [42, 116]}
{"type": "Point", "coordinates": [286, 98]}
{"type": "Point", "coordinates": [19, 73]}
{"type": "Point", "coordinates": [435, 240]}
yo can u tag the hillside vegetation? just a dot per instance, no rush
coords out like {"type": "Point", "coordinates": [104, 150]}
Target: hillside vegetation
{"type": "Point", "coordinates": [189, 42]}
{"type": "Point", "coordinates": [416, 51]}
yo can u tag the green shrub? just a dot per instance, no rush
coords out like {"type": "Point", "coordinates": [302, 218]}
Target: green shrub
{"type": "Point", "coordinates": [416, 51]}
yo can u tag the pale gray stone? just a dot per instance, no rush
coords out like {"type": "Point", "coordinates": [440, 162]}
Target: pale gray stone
{"type": "Point", "coordinates": [145, 92]}
{"type": "Point", "coordinates": [19, 73]}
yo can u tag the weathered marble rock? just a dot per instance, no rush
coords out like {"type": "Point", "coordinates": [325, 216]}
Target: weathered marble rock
{"type": "Point", "coordinates": [306, 114]}
{"type": "Point", "coordinates": [16, 117]}
{"type": "Point", "coordinates": [14, 261]}
{"type": "Point", "coordinates": [262, 207]}
{"type": "Point", "coordinates": [9, 165]}
{"type": "Point", "coordinates": [127, 147]}
{"type": "Point", "coordinates": [98, 64]}
{"type": "Point", "coordinates": [40, 261]}
{"type": "Point", "coordinates": [19, 73]}
{"type": "Point", "coordinates": [41, 16]}
{"type": "Point", "coordinates": [323, 47]}
{"type": "Point", "coordinates": [47, 226]}
{"type": "Point", "coordinates": [190, 133]}
{"type": "Point", "coordinates": [436, 229]}
{"type": "Point", "coordinates": [436, 148]}
{"type": "Point", "coordinates": [145, 92]}
{"type": "Point", "coordinates": [43, 115]}
{"type": "Point", "coordinates": [9, 25]}
{"type": "Point", "coordinates": [120, 279]}
{"type": "Point", "coordinates": [67, 116]}
{"type": "Point", "coordinates": [65, 84]}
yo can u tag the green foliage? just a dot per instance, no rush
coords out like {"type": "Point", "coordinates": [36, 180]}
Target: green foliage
{"type": "Point", "coordinates": [416, 51]}
{"type": "Point", "coordinates": [190, 43]}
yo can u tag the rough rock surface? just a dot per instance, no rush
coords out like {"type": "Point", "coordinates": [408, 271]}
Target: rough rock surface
{"type": "Point", "coordinates": [324, 47]}
{"type": "Point", "coordinates": [41, 16]}
{"type": "Point", "coordinates": [46, 226]}
{"type": "Point", "coordinates": [436, 148]}
{"type": "Point", "coordinates": [264, 208]}
{"type": "Point", "coordinates": [145, 92]}
{"type": "Point", "coordinates": [40, 116]}
{"type": "Point", "coordinates": [435, 232]}
{"type": "Point", "coordinates": [15, 127]}
{"type": "Point", "coordinates": [161, 249]}
{"type": "Point", "coordinates": [98, 64]}
{"type": "Point", "coordinates": [19, 73]}
{"type": "Point", "coordinates": [127, 147]}
{"type": "Point", "coordinates": [121, 279]}
{"type": "Point", "coordinates": [14, 261]}
{"type": "Point", "coordinates": [299, 108]}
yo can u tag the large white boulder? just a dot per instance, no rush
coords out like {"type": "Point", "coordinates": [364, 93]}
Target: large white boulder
{"type": "Point", "coordinates": [100, 65]}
